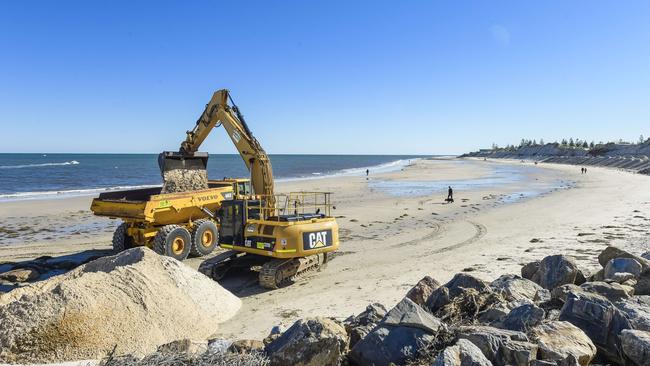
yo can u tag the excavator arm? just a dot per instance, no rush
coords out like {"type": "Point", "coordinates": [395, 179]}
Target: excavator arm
{"type": "Point", "coordinates": [219, 112]}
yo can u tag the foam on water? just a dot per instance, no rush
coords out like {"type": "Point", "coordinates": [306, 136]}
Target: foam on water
{"type": "Point", "coordinates": [71, 162]}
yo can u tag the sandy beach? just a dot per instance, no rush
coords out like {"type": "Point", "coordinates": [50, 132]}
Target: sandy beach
{"type": "Point", "coordinates": [395, 230]}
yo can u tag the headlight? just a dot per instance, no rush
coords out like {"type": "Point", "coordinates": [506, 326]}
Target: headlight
{"type": "Point", "coordinates": [251, 228]}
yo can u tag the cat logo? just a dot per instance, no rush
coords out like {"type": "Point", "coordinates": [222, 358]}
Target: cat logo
{"type": "Point", "coordinates": [317, 239]}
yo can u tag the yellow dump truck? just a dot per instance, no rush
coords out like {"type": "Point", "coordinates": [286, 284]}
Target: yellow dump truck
{"type": "Point", "coordinates": [149, 217]}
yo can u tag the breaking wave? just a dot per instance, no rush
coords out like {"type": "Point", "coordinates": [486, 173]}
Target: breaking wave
{"type": "Point", "coordinates": [71, 162]}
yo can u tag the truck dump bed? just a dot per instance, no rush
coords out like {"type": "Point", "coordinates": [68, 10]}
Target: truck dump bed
{"type": "Point", "coordinates": [148, 205]}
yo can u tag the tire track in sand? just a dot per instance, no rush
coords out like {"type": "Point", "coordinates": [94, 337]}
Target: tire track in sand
{"type": "Point", "coordinates": [480, 229]}
{"type": "Point", "coordinates": [436, 232]}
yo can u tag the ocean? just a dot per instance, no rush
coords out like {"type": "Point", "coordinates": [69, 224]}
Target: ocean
{"type": "Point", "coordinates": [30, 176]}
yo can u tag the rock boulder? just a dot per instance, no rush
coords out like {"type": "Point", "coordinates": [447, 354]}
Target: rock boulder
{"type": "Point", "coordinates": [599, 319]}
{"type": "Point", "coordinates": [515, 288]}
{"type": "Point", "coordinates": [612, 252]}
{"type": "Point", "coordinates": [309, 342]}
{"type": "Point", "coordinates": [462, 353]}
{"type": "Point", "coordinates": [612, 291]}
{"type": "Point", "coordinates": [523, 318]}
{"type": "Point", "coordinates": [637, 310]}
{"type": "Point", "coordinates": [398, 336]}
{"type": "Point", "coordinates": [622, 265]}
{"type": "Point", "coordinates": [421, 292]}
{"type": "Point", "coordinates": [555, 270]}
{"type": "Point", "coordinates": [563, 342]}
{"type": "Point", "coordinates": [359, 326]}
{"type": "Point", "coordinates": [636, 346]}
{"type": "Point", "coordinates": [501, 347]}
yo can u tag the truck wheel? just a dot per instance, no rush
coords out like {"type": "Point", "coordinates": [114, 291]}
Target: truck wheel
{"type": "Point", "coordinates": [173, 241]}
{"type": "Point", "coordinates": [122, 240]}
{"type": "Point", "coordinates": [205, 237]}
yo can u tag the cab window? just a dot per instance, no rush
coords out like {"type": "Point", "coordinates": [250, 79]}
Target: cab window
{"type": "Point", "coordinates": [244, 188]}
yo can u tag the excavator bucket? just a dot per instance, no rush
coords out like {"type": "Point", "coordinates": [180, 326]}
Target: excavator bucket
{"type": "Point", "coordinates": [170, 160]}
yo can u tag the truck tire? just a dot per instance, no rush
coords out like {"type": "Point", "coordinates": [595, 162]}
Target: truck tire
{"type": "Point", "coordinates": [205, 237]}
{"type": "Point", "coordinates": [121, 240]}
{"type": "Point", "coordinates": [173, 241]}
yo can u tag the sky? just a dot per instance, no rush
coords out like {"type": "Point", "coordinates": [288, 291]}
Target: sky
{"type": "Point", "coordinates": [322, 77]}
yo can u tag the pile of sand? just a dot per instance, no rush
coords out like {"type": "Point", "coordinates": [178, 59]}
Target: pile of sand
{"type": "Point", "coordinates": [135, 300]}
{"type": "Point", "coordinates": [182, 180]}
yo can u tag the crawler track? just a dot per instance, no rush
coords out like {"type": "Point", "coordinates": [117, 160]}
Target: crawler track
{"type": "Point", "coordinates": [277, 273]}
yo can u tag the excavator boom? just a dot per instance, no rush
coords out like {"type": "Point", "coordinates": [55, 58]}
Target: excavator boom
{"type": "Point", "coordinates": [219, 112]}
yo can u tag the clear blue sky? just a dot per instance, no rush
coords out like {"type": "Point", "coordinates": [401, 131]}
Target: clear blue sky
{"type": "Point", "coordinates": [370, 77]}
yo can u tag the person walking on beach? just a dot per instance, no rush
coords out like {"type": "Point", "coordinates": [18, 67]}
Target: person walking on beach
{"type": "Point", "coordinates": [367, 172]}
{"type": "Point", "coordinates": [450, 195]}
{"type": "Point", "coordinates": [582, 170]}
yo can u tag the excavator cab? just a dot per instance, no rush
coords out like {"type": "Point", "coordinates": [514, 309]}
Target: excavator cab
{"type": "Point", "coordinates": [172, 160]}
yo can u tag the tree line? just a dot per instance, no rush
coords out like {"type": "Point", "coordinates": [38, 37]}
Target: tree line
{"type": "Point", "coordinates": [570, 143]}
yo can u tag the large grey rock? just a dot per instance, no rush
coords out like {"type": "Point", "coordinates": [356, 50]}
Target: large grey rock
{"type": "Point", "coordinates": [514, 288]}
{"type": "Point", "coordinates": [555, 270]}
{"type": "Point", "coordinates": [359, 326]}
{"type": "Point", "coordinates": [523, 318]}
{"type": "Point", "coordinates": [529, 270]}
{"type": "Point", "coordinates": [518, 353]}
{"type": "Point", "coordinates": [461, 281]}
{"type": "Point", "coordinates": [622, 265]}
{"type": "Point", "coordinates": [637, 310]}
{"type": "Point", "coordinates": [398, 336]}
{"type": "Point", "coordinates": [612, 291]}
{"type": "Point", "coordinates": [409, 314]}
{"type": "Point", "coordinates": [636, 346]}
{"type": "Point", "coordinates": [612, 252]}
{"type": "Point", "coordinates": [421, 292]}
{"type": "Point", "coordinates": [563, 342]}
{"type": "Point", "coordinates": [311, 341]}
{"type": "Point", "coordinates": [463, 353]}
{"type": "Point", "coordinates": [500, 346]}
{"type": "Point", "coordinates": [599, 319]}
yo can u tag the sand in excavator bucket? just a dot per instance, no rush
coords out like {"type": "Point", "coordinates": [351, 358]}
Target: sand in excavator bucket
{"type": "Point", "coordinates": [183, 172]}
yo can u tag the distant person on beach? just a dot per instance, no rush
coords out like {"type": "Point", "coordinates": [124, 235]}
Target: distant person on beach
{"type": "Point", "coordinates": [582, 170]}
{"type": "Point", "coordinates": [367, 172]}
{"type": "Point", "coordinates": [450, 195]}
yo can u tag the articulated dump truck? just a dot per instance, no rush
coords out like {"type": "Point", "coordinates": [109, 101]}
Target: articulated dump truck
{"type": "Point", "coordinates": [173, 224]}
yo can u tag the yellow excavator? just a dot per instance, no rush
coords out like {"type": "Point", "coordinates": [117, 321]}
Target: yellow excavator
{"type": "Point", "coordinates": [285, 235]}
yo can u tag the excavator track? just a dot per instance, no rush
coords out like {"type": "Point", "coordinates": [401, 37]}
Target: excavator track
{"type": "Point", "coordinates": [277, 273]}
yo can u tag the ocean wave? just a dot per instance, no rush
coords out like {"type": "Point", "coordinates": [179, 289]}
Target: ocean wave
{"type": "Point", "coordinates": [71, 162]}
{"type": "Point", "coordinates": [66, 193]}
